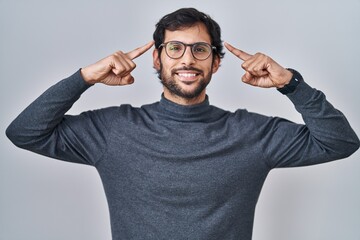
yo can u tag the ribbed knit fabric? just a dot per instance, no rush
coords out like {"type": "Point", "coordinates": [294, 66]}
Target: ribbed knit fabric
{"type": "Point", "coordinates": [182, 172]}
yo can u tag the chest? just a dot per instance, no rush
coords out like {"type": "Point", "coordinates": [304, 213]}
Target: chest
{"type": "Point", "coordinates": [189, 164]}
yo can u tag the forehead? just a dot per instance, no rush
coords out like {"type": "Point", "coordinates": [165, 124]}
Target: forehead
{"type": "Point", "coordinates": [195, 33]}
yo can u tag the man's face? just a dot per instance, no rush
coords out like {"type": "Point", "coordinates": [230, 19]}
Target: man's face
{"type": "Point", "coordinates": [185, 79]}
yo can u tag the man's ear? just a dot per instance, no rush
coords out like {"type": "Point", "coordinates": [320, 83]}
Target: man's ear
{"type": "Point", "coordinates": [216, 64]}
{"type": "Point", "coordinates": [156, 59]}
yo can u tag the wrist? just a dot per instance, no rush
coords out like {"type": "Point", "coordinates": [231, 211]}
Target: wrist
{"type": "Point", "coordinates": [293, 82]}
{"type": "Point", "coordinates": [86, 77]}
{"type": "Point", "coordinates": [287, 75]}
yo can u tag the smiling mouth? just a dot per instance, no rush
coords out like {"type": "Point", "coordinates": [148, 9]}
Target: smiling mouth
{"type": "Point", "coordinates": [187, 75]}
{"type": "Point", "coordinates": [187, 72]}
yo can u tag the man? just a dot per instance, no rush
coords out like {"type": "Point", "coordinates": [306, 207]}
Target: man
{"type": "Point", "coordinates": [181, 168]}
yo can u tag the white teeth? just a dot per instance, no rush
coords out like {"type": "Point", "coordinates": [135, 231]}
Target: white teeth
{"type": "Point", "coordinates": [187, 75]}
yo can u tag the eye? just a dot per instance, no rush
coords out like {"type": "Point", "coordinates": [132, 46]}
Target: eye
{"type": "Point", "coordinates": [201, 48]}
{"type": "Point", "coordinates": [174, 47]}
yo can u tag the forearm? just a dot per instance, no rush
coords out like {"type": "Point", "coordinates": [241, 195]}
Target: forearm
{"type": "Point", "coordinates": [41, 117]}
{"type": "Point", "coordinates": [329, 130]}
{"type": "Point", "coordinates": [326, 135]}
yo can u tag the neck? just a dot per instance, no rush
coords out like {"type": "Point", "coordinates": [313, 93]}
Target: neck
{"type": "Point", "coordinates": [184, 101]}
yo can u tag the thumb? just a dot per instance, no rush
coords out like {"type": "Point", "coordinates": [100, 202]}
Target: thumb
{"type": "Point", "coordinates": [128, 79]}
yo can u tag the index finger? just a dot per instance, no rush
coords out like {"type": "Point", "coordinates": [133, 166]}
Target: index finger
{"type": "Point", "coordinates": [237, 52]}
{"type": "Point", "coordinates": [139, 51]}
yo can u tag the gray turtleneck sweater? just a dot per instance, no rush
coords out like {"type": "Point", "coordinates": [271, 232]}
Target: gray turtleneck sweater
{"type": "Point", "coordinates": [181, 172]}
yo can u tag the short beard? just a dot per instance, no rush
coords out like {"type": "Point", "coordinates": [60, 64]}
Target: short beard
{"type": "Point", "coordinates": [176, 90]}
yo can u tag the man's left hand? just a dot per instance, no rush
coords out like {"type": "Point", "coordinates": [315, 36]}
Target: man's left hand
{"type": "Point", "coordinates": [261, 70]}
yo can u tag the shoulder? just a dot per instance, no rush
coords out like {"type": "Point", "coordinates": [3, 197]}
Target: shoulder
{"type": "Point", "coordinates": [252, 121]}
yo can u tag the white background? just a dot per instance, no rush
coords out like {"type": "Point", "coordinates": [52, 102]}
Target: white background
{"type": "Point", "coordinates": [42, 42]}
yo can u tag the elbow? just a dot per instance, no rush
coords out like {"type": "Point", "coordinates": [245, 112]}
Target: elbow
{"type": "Point", "coordinates": [340, 148]}
{"type": "Point", "coordinates": [13, 135]}
{"type": "Point", "coordinates": [351, 146]}
{"type": "Point", "coordinates": [17, 135]}
{"type": "Point", "coordinates": [355, 145]}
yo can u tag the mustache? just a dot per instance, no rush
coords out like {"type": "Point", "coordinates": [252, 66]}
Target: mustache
{"type": "Point", "coordinates": [186, 69]}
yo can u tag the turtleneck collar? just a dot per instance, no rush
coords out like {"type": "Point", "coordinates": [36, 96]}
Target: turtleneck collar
{"type": "Point", "coordinates": [186, 113]}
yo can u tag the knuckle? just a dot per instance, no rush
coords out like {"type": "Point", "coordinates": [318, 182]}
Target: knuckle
{"type": "Point", "coordinates": [244, 65]}
{"type": "Point", "coordinates": [118, 54]}
{"type": "Point", "coordinates": [132, 65]}
{"type": "Point", "coordinates": [113, 57]}
{"type": "Point", "coordinates": [117, 71]}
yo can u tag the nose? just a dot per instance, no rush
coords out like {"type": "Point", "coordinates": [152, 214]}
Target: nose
{"type": "Point", "coordinates": [188, 58]}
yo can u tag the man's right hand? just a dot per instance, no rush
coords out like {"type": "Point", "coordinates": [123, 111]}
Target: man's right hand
{"type": "Point", "coordinates": [115, 69]}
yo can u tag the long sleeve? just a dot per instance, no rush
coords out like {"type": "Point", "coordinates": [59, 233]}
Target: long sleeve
{"type": "Point", "coordinates": [44, 128]}
{"type": "Point", "coordinates": [326, 135]}
{"type": "Point", "coordinates": [166, 165]}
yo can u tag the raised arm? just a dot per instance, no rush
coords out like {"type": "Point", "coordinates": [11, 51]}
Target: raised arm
{"type": "Point", "coordinates": [44, 128]}
{"type": "Point", "coordinates": [326, 135]}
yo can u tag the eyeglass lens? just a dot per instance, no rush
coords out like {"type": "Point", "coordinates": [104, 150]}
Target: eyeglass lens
{"type": "Point", "coordinates": [200, 51]}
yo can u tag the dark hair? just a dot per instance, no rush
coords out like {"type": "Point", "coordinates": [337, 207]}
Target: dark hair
{"type": "Point", "coordinates": [187, 17]}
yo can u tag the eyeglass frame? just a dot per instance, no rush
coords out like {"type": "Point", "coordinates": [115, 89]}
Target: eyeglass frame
{"type": "Point", "coordinates": [213, 48]}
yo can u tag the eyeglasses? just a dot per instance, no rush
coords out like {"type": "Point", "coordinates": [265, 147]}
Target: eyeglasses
{"type": "Point", "coordinates": [199, 50]}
